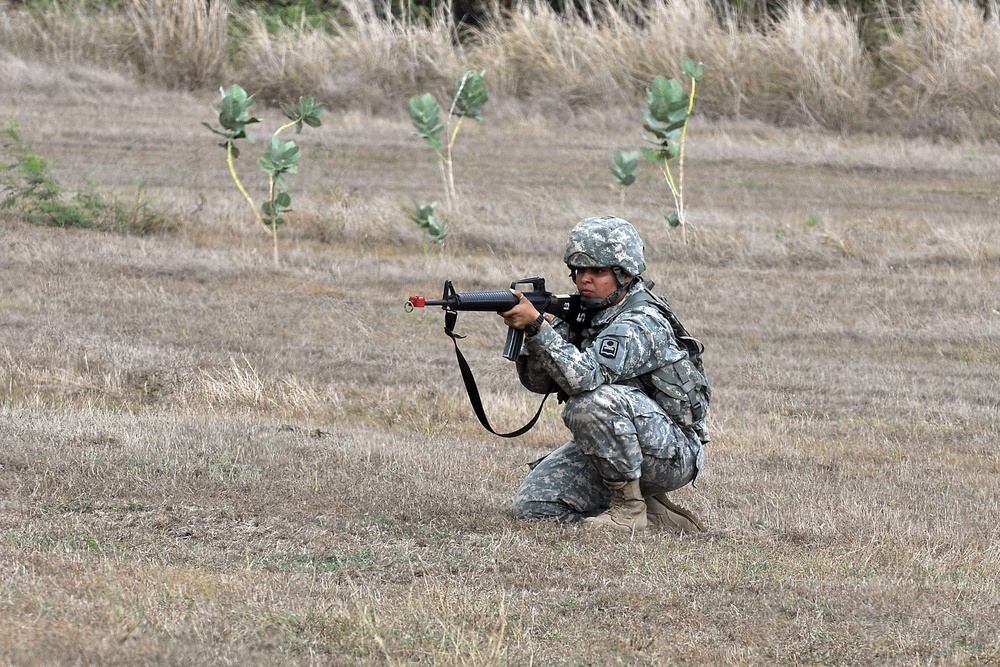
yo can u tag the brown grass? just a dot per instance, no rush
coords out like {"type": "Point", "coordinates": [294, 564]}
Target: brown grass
{"type": "Point", "coordinates": [931, 72]}
{"type": "Point", "coordinates": [180, 43]}
{"type": "Point", "coordinates": [208, 460]}
{"type": "Point", "coordinates": [944, 63]}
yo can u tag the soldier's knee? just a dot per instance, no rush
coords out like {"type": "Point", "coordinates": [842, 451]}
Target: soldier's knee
{"type": "Point", "coordinates": [525, 508]}
{"type": "Point", "coordinates": [522, 508]}
{"type": "Point", "coordinates": [594, 406]}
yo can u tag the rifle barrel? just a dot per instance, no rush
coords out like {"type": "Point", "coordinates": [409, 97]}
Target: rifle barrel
{"type": "Point", "coordinates": [495, 300]}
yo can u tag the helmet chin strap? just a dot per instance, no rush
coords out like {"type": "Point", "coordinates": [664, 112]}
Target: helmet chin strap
{"type": "Point", "coordinates": [593, 303]}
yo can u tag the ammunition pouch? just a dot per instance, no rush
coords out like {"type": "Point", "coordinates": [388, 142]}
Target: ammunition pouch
{"type": "Point", "coordinates": [682, 391]}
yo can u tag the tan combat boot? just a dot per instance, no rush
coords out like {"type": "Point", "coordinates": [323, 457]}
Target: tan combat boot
{"type": "Point", "coordinates": [628, 509]}
{"type": "Point", "coordinates": [664, 514]}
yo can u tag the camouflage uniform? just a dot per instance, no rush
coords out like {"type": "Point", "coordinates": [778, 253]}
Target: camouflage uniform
{"type": "Point", "coordinates": [619, 432]}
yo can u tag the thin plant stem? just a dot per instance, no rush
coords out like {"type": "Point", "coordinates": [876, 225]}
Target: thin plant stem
{"type": "Point", "coordinates": [285, 127]}
{"type": "Point", "coordinates": [675, 192]}
{"type": "Point", "coordinates": [681, 215]}
{"type": "Point", "coordinates": [452, 196]}
{"type": "Point", "coordinates": [445, 165]}
{"type": "Point", "coordinates": [239, 185]}
{"type": "Point", "coordinates": [451, 170]}
{"type": "Point", "coordinates": [270, 195]}
{"type": "Point", "coordinates": [274, 220]}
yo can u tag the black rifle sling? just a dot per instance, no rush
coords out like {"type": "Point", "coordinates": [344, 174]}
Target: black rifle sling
{"type": "Point", "coordinates": [450, 317]}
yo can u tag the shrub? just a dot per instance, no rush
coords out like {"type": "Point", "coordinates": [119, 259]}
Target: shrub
{"type": "Point", "coordinates": [27, 184]}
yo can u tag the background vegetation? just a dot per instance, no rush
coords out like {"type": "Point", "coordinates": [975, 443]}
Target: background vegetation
{"type": "Point", "coordinates": [208, 459]}
{"type": "Point", "coordinates": [918, 69]}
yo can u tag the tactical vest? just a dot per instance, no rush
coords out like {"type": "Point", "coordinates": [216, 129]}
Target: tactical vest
{"type": "Point", "coordinates": [681, 387]}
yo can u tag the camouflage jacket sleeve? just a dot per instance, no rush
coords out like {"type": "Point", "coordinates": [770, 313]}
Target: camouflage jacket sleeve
{"type": "Point", "coordinates": [532, 370]}
{"type": "Point", "coordinates": [634, 343]}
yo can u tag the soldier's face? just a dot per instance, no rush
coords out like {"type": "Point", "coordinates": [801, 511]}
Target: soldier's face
{"type": "Point", "coordinates": [597, 283]}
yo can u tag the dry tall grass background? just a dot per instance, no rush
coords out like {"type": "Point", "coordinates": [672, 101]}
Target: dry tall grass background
{"type": "Point", "coordinates": [208, 460]}
{"type": "Point", "coordinates": [930, 72]}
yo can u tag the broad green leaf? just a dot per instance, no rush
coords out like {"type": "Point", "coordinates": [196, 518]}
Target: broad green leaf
{"type": "Point", "coordinates": [235, 92]}
{"type": "Point", "coordinates": [472, 94]}
{"type": "Point", "coordinates": [653, 126]}
{"type": "Point", "coordinates": [654, 155]}
{"type": "Point", "coordinates": [673, 219]}
{"type": "Point", "coordinates": [692, 70]}
{"type": "Point", "coordinates": [625, 167]}
{"type": "Point", "coordinates": [425, 115]}
{"type": "Point", "coordinates": [665, 118]}
{"type": "Point", "coordinates": [234, 112]}
{"type": "Point", "coordinates": [663, 131]}
{"type": "Point", "coordinates": [284, 200]}
{"type": "Point", "coordinates": [281, 158]}
{"type": "Point", "coordinates": [666, 100]}
{"type": "Point", "coordinates": [306, 111]}
{"type": "Point", "coordinates": [423, 214]}
{"type": "Point", "coordinates": [650, 154]}
{"type": "Point", "coordinates": [426, 219]}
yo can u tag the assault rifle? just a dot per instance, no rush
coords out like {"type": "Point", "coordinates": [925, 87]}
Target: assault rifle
{"type": "Point", "coordinates": [568, 308]}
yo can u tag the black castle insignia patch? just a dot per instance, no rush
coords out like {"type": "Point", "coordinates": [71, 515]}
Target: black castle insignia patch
{"type": "Point", "coordinates": [609, 348]}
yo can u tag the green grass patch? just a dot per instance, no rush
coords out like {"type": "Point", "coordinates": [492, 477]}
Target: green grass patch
{"type": "Point", "coordinates": [28, 186]}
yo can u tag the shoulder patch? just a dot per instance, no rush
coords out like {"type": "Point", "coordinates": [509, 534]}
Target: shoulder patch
{"type": "Point", "coordinates": [609, 348]}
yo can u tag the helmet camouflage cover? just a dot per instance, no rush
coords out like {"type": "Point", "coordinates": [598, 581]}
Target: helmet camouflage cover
{"type": "Point", "coordinates": [605, 241]}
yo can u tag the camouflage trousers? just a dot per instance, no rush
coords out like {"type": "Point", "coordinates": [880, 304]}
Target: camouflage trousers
{"type": "Point", "coordinates": [619, 434]}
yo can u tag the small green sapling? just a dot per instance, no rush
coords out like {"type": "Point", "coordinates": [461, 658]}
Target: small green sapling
{"type": "Point", "coordinates": [666, 120]}
{"type": "Point", "coordinates": [425, 114]}
{"type": "Point", "coordinates": [624, 169]}
{"type": "Point", "coordinates": [426, 219]}
{"type": "Point", "coordinates": [280, 157]}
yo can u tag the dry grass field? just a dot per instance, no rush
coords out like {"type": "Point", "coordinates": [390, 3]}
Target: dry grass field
{"type": "Point", "coordinates": [207, 460]}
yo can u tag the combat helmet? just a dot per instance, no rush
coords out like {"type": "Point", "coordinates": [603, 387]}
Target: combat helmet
{"type": "Point", "coordinates": [605, 241]}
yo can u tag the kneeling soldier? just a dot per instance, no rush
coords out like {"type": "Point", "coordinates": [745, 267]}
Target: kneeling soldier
{"type": "Point", "coordinates": [634, 402]}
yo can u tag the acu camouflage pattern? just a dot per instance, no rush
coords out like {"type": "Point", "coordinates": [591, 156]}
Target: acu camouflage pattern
{"type": "Point", "coordinates": [681, 388]}
{"type": "Point", "coordinates": [605, 242]}
{"type": "Point", "coordinates": [620, 431]}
